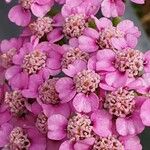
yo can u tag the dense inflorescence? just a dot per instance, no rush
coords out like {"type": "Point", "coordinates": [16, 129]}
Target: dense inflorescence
{"type": "Point", "coordinates": [72, 81]}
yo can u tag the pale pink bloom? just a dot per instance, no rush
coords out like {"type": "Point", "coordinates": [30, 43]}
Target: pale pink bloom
{"type": "Point", "coordinates": [115, 8]}
{"type": "Point", "coordinates": [21, 13]}
{"type": "Point", "coordinates": [131, 142]}
{"type": "Point", "coordinates": [8, 48]}
{"type": "Point", "coordinates": [43, 90]}
{"type": "Point", "coordinates": [123, 65]}
{"type": "Point", "coordinates": [131, 120]}
{"type": "Point", "coordinates": [106, 36]}
{"type": "Point", "coordinates": [73, 129]}
{"type": "Point", "coordinates": [79, 87]}
{"type": "Point", "coordinates": [50, 27]}
{"type": "Point", "coordinates": [13, 137]}
{"type": "Point", "coordinates": [32, 63]}
{"type": "Point", "coordinates": [76, 15]}
{"type": "Point", "coordinates": [73, 57]}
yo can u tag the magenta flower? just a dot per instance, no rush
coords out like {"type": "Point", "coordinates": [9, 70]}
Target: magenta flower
{"type": "Point", "coordinates": [48, 98]}
{"type": "Point", "coordinates": [21, 138]}
{"type": "Point", "coordinates": [43, 90]}
{"type": "Point", "coordinates": [8, 48]}
{"type": "Point", "coordinates": [125, 65]}
{"type": "Point", "coordinates": [106, 36]}
{"type": "Point", "coordinates": [33, 62]}
{"type": "Point", "coordinates": [115, 8]}
{"type": "Point", "coordinates": [76, 15]}
{"type": "Point", "coordinates": [78, 129]}
{"type": "Point", "coordinates": [126, 107]}
{"type": "Point", "coordinates": [45, 26]}
{"type": "Point", "coordinates": [73, 58]}
{"type": "Point", "coordinates": [21, 14]}
{"type": "Point", "coordinates": [115, 142]}
{"type": "Point", "coordinates": [80, 88]}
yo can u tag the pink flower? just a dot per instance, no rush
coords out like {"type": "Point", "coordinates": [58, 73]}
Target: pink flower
{"type": "Point", "coordinates": [126, 107]}
{"type": "Point", "coordinates": [125, 65]}
{"type": "Point", "coordinates": [76, 15]}
{"type": "Point", "coordinates": [116, 142]}
{"type": "Point", "coordinates": [8, 48]}
{"type": "Point", "coordinates": [78, 129]}
{"type": "Point", "coordinates": [115, 8]}
{"type": "Point", "coordinates": [51, 27]}
{"type": "Point", "coordinates": [21, 14]}
{"type": "Point", "coordinates": [106, 36]}
{"type": "Point", "coordinates": [80, 88]}
{"type": "Point", "coordinates": [21, 137]}
{"type": "Point", "coordinates": [46, 95]}
{"type": "Point", "coordinates": [33, 63]}
{"type": "Point", "coordinates": [73, 57]}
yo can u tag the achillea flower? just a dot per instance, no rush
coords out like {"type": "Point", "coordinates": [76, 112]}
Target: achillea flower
{"type": "Point", "coordinates": [8, 49]}
{"type": "Point", "coordinates": [21, 138]}
{"type": "Point", "coordinates": [32, 63]}
{"type": "Point", "coordinates": [81, 89]}
{"type": "Point", "coordinates": [79, 128]}
{"type": "Point", "coordinates": [76, 15]}
{"type": "Point", "coordinates": [117, 143]}
{"type": "Point", "coordinates": [106, 36]}
{"type": "Point", "coordinates": [73, 57]}
{"type": "Point", "coordinates": [49, 99]}
{"type": "Point", "coordinates": [125, 65]}
{"type": "Point", "coordinates": [21, 13]}
{"type": "Point", "coordinates": [45, 27]}
{"type": "Point", "coordinates": [127, 111]}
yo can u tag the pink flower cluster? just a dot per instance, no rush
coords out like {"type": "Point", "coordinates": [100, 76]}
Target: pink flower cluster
{"type": "Point", "coordinates": [72, 81]}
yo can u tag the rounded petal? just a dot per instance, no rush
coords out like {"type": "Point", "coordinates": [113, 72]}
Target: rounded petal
{"type": "Point", "coordinates": [112, 79]}
{"type": "Point", "coordinates": [112, 8]}
{"type": "Point", "coordinates": [55, 35]}
{"type": "Point", "coordinates": [56, 127]}
{"type": "Point", "coordinates": [81, 103]}
{"type": "Point", "coordinates": [67, 145]}
{"type": "Point", "coordinates": [12, 71]}
{"type": "Point", "coordinates": [90, 47]}
{"type": "Point", "coordinates": [84, 144]}
{"type": "Point", "coordinates": [40, 10]}
{"type": "Point", "coordinates": [145, 113]}
{"type": "Point", "coordinates": [129, 126]}
{"type": "Point", "coordinates": [62, 109]}
{"type": "Point", "coordinates": [65, 88]}
{"type": "Point", "coordinates": [19, 15]}
{"type": "Point", "coordinates": [105, 59]}
{"type": "Point", "coordinates": [75, 67]}
{"type": "Point", "coordinates": [102, 123]}
{"type": "Point", "coordinates": [131, 143]}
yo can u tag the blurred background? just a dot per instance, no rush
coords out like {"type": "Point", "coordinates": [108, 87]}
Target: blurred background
{"type": "Point", "coordinates": [140, 14]}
